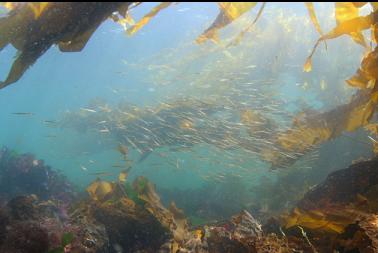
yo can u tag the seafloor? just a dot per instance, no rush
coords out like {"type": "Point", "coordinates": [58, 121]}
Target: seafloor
{"type": "Point", "coordinates": [42, 212]}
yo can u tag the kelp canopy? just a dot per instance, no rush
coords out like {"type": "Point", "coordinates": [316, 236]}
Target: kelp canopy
{"type": "Point", "coordinates": [32, 28]}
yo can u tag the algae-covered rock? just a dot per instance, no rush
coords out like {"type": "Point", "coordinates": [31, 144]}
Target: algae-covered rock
{"type": "Point", "coordinates": [131, 226]}
{"type": "Point", "coordinates": [23, 174]}
{"type": "Point", "coordinates": [340, 213]}
{"type": "Point", "coordinates": [25, 237]}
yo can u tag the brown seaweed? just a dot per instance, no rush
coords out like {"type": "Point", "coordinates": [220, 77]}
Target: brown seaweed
{"type": "Point", "coordinates": [68, 25]}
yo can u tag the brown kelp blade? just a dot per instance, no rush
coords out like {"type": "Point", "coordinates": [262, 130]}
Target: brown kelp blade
{"type": "Point", "coordinates": [354, 25]}
{"type": "Point", "coordinates": [308, 64]}
{"type": "Point", "coordinates": [346, 11]}
{"type": "Point", "coordinates": [133, 29]}
{"type": "Point", "coordinates": [237, 40]}
{"type": "Point", "coordinates": [367, 74]}
{"type": "Point", "coordinates": [79, 42]}
{"type": "Point", "coordinates": [318, 128]}
{"type": "Point", "coordinates": [21, 64]}
{"type": "Point", "coordinates": [32, 28]}
{"type": "Point", "coordinates": [229, 11]}
{"type": "Point", "coordinates": [314, 19]}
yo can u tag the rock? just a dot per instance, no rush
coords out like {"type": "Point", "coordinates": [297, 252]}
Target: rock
{"type": "Point", "coordinates": [22, 230]}
{"type": "Point", "coordinates": [340, 213]}
{"type": "Point", "coordinates": [361, 236]}
{"type": "Point", "coordinates": [23, 174]}
{"type": "Point", "coordinates": [25, 237]}
{"type": "Point", "coordinates": [131, 226]}
{"type": "Point", "coordinates": [245, 226]}
{"type": "Point", "coordinates": [343, 185]}
{"type": "Point", "coordinates": [23, 207]}
{"type": "Point", "coordinates": [90, 235]}
{"type": "Point", "coordinates": [238, 235]}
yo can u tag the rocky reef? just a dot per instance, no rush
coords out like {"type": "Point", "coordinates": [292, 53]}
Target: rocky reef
{"type": "Point", "coordinates": [23, 174]}
{"type": "Point", "coordinates": [338, 215]}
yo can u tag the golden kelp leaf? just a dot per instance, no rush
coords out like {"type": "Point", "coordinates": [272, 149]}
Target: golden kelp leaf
{"type": "Point", "coordinates": [367, 74]}
{"type": "Point", "coordinates": [129, 19]}
{"type": "Point", "coordinates": [374, 31]}
{"type": "Point", "coordinates": [314, 20]}
{"type": "Point", "coordinates": [133, 29]}
{"type": "Point", "coordinates": [229, 11]}
{"type": "Point", "coordinates": [38, 8]}
{"type": "Point", "coordinates": [307, 67]}
{"type": "Point", "coordinates": [9, 5]}
{"type": "Point", "coordinates": [237, 40]}
{"type": "Point", "coordinates": [346, 11]}
{"type": "Point", "coordinates": [233, 10]}
{"type": "Point", "coordinates": [303, 218]}
{"type": "Point", "coordinates": [124, 22]}
{"type": "Point", "coordinates": [329, 221]}
{"type": "Point", "coordinates": [360, 116]}
{"type": "Point", "coordinates": [359, 38]}
{"type": "Point", "coordinates": [350, 26]}
{"type": "Point", "coordinates": [374, 97]}
{"type": "Point", "coordinates": [99, 189]}
{"type": "Point", "coordinates": [358, 80]}
{"type": "Point", "coordinates": [369, 65]}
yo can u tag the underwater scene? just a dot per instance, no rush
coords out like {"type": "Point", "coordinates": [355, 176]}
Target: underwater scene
{"type": "Point", "coordinates": [172, 127]}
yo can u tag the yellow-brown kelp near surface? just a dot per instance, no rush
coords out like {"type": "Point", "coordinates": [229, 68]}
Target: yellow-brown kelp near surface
{"type": "Point", "coordinates": [315, 129]}
{"type": "Point", "coordinates": [345, 11]}
{"type": "Point", "coordinates": [34, 27]}
{"type": "Point", "coordinates": [347, 23]}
